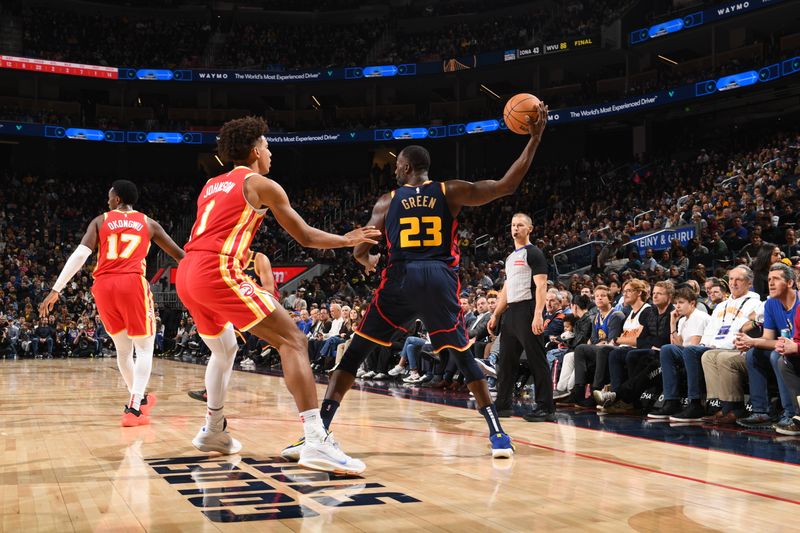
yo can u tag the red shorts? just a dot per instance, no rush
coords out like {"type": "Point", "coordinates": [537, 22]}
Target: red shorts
{"type": "Point", "coordinates": [217, 292]}
{"type": "Point", "coordinates": [125, 303]}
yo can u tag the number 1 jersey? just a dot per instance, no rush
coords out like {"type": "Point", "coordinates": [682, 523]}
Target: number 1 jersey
{"type": "Point", "coordinates": [419, 225]}
{"type": "Point", "coordinates": [124, 242]}
{"type": "Point", "coordinates": [226, 223]}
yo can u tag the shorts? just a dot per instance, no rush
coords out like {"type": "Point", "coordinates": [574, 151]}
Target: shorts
{"type": "Point", "coordinates": [427, 290]}
{"type": "Point", "coordinates": [125, 304]}
{"type": "Point", "coordinates": [217, 292]}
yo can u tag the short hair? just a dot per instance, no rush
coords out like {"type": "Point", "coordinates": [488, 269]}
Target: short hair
{"type": "Point", "coordinates": [527, 218]}
{"type": "Point", "coordinates": [787, 272]}
{"type": "Point", "coordinates": [570, 319]}
{"type": "Point", "coordinates": [553, 290]}
{"type": "Point", "coordinates": [565, 295]}
{"type": "Point", "coordinates": [126, 190]}
{"type": "Point", "coordinates": [583, 302]}
{"type": "Point", "coordinates": [419, 159]}
{"type": "Point", "coordinates": [667, 286]}
{"type": "Point", "coordinates": [685, 293]}
{"type": "Point", "coordinates": [237, 137]}
{"type": "Point", "coordinates": [602, 288]}
{"type": "Point", "coordinates": [748, 272]}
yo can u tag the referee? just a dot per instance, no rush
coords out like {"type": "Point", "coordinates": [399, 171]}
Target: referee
{"type": "Point", "coordinates": [523, 324]}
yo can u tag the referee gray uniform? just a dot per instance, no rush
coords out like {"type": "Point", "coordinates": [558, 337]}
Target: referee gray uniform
{"type": "Point", "coordinates": [516, 334]}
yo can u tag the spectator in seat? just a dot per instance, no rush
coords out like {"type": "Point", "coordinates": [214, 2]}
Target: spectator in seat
{"type": "Point", "coordinates": [607, 327]}
{"type": "Point", "coordinates": [762, 360]}
{"type": "Point", "coordinates": [43, 335]}
{"type": "Point", "coordinates": [767, 255]}
{"type": "Point", "coordinates": [719, 335]}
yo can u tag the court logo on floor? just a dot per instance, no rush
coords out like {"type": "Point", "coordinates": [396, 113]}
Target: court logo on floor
{"type": "Point", "coordinates": [233, 489]}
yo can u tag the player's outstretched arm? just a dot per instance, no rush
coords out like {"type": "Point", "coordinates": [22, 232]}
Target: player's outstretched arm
{"type": "Point", "coordinates": [377, 220]}
{"type": "Point", "coordinates": [72, 266]}
{"type": "Point", "coordinates": [461, 192]}
{"type": "Point", "coordinates": [164, 241]}
{"type": "Point", "coordinates": [272, 195]}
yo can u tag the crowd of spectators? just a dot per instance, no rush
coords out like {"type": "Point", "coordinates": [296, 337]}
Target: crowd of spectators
{"type": "Point", "coordinates": [741, 203]}
{"type": "Point", "coordinates": [96, 39]}
{"type": "Point", "coordinates": [156, 41]}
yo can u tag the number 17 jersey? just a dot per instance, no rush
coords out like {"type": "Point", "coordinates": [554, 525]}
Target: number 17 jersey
{"type": "Point", "coordinates": [420, 226]}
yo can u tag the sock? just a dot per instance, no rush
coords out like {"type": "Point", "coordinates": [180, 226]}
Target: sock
{"type": "Point", "coordinates": [328, 411]}
{"type": "Point", "coordinates": [490, 414]}
{"type": "Point", "coordinates": [124, 347]}
{"type": "Point", "coordinates": [220, 367]}
{"type": "Point", "coordinates": [215, 419]}
{"type": "Point", "coordinates": [136, 401]}
{"type": "Point", "coordinates": [312, 426]}
{"type": "Point", "coordinates": [143, 365]}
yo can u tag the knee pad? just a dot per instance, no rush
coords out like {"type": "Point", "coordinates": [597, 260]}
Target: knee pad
{"type": "Point", "coordinates": [359, 349]}
{"type": "Point", "coordinates": [467, 365]}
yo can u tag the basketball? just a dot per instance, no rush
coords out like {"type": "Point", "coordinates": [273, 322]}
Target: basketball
{"type": "Point", "coordinates": [517, 108]}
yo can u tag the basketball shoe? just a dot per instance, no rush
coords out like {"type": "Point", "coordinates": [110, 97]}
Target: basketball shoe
{"type": "Point", "coordinates": [292, 451]}
{"type": "Point", "coordinates": [199, 395]}
{"type": "Point", "coordinates": [326, 456]}
{"type": "Point", "coordinates": [501, 445]}
{"type": "Point", "coordinates": [148, 402]}
{"type": "Point", "coordinates": [133, 417]}
{"type": "Point", "coordinates": [208, 440]}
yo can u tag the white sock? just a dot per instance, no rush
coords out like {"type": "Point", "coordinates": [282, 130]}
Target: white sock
{"type": "Point", "coordinates": [215, 419]}
{"type": "Point", "coordinates": [312, 426]}
{"type": "Point", "coordinates": [142, 368]}
{"type": "Point", "coordinates": [124, 347]}
{"type": "Point", "coordinates": [220, 366]}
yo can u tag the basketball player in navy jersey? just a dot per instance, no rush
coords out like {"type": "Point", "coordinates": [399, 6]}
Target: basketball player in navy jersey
{"type": "Point", "coordinates": [421, 277]}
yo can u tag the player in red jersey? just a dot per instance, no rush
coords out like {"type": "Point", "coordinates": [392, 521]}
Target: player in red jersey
{"type": "Point", "coordinates": [120, 290]}
{"type": "Point", "coordinates": [213, 287]}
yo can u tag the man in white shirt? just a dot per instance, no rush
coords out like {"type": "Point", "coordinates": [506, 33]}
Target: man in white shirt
{"type": "Point", "coordinates": [336, 322]}
{"type": "Point", "coordinates": [719, 334]}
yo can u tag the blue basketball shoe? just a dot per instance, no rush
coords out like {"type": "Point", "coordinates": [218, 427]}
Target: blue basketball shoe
{"type": "Point", "coordinates": [501, 445]}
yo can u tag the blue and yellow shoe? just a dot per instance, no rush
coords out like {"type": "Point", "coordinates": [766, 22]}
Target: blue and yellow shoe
{"type": "Point", "coordinates": [292, 452]}
{"type": "Point", "coordinates": [502, 447]}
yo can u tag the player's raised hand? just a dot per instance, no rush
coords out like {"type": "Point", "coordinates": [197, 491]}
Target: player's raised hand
{"type": "Point", "coordinates": [367, 234]}
{"type": "Point", "coordinates": [372, 263]}
{"type": "Point", "coordinates": [537, 128]}
{"type": "Point", "coordinates": [47, 304]}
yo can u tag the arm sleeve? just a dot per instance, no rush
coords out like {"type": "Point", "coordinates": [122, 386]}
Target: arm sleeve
{"type": "Point", "coordinates": [72, 266]}
{"type": "Point", "coordinates": [536, 261]}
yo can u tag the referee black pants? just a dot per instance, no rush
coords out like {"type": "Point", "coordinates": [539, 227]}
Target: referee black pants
{"type": "Point", "coordinates": [516, 336]}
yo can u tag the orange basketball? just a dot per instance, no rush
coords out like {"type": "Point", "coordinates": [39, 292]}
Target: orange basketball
{"type": "Point", "coordinates": [517, 108]}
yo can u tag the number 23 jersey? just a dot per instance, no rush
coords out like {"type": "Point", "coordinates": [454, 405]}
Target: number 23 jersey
{"type": "Point", "coordinates": [419, 225]}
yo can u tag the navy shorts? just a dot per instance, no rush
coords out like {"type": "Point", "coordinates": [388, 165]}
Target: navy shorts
{"type": "Point", "coordinates": [427, 290]}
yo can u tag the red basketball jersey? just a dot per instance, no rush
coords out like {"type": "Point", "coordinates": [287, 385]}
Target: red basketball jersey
{"type": "Point", "coordinates": [225, 222]}
{"type": "Point", "coordinates": [124, 242]}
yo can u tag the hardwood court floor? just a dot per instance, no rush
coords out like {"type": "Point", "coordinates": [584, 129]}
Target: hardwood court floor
{"type": "Point", "coordinates": [66, 465]}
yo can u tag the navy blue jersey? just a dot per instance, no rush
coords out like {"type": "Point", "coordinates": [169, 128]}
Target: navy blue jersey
{"type": "Point", "coordinates": [419, 225]}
